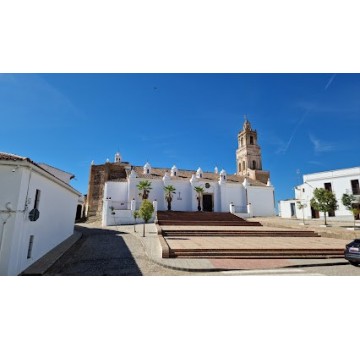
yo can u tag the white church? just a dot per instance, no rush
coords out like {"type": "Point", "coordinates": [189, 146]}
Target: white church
{"type": "Point", "coordinates": [114, 195]}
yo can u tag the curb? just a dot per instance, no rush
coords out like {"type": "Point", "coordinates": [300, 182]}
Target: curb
{"type": "Point", "coordinates": [40, 266]}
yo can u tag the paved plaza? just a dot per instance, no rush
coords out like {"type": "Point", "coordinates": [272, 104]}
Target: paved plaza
{"type": "Point", "coordinates": [118, 250]}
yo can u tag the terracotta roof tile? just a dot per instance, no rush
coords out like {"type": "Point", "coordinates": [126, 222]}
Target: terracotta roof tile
{"type": "Point", "coordinates": [158, 173]}
{"type": "Point", "coordinates": [10, 156]}
{"type": "Point", "coordinates": [15, 157]}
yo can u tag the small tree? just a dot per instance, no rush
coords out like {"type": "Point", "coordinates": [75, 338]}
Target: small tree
{"type": "Point", "coordinates": [169, 191]}
{"type": "Point", "coordinates": [145, 187]}
{"type": "Point", "coordinates": [324, 201]}
{"type": "Point", "coordinates": [146, 211]}
{"type": "Point", "coordinates": [347, 201]}
{"type": "Point", "coordinates": [302, 206]}
{"type": "Point", "coordinates": [200, 191]}
{"type": "Point", "coordinates": [136, 215]}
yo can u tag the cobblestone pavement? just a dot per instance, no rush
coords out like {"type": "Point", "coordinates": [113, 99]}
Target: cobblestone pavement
{"type": "Point", "coordinates": [102, 252]}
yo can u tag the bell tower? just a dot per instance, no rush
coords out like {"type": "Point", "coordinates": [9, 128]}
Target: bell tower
{"type": "Point", "coordinates": [248, 154]}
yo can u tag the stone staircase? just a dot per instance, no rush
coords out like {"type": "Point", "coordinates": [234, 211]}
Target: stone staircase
{"type": "Point", "coordinates": [283, 243]}
{"type": "Point", "coordinates": [177, 218]}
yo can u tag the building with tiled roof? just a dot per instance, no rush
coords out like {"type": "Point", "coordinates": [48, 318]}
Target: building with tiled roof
{"type": "Point", "coordinates": [113, 186]}
{"type": "Point", "coordinates": [37, 211]}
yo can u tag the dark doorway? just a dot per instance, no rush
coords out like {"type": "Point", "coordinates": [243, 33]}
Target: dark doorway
{"type": "Point", "coordinates": [78, 212]}
{"type": "Point", "coordinates": [315, 213]}
{"type": "Point", "coordinates": [292, 208]}
{"type": "Point", "coordinates": [207, 202]}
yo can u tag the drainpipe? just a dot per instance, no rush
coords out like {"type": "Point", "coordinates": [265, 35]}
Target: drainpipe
{"type": "Point", "coordinates": [9, 211]}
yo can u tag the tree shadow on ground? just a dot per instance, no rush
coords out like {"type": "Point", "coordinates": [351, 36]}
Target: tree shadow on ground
{"type": "Point", "coordinates": [99, 252]}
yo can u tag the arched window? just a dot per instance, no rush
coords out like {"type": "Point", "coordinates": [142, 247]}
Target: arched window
{"type": "Point", "coordinates": [254, 164]}
{"type": "Point", "coordinates": [147, 171]}
{"type": "Point", "coordinates": [239, 167]}
{"type": "Point", "coordinates": [243, 167]}
{"type": "Point", "coordinates": [251, 140]}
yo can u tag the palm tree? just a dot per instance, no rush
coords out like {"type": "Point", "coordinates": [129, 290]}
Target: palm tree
{"type": "Point", "coordinates": [145, 187]}
{"type": "Point", "coordinates": [169, 191]}
{"type": "Point", "coordinates": [199, 190]}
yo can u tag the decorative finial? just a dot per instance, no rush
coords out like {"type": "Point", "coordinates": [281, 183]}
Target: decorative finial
{"type": "Point", "coordinates": [247, 125]}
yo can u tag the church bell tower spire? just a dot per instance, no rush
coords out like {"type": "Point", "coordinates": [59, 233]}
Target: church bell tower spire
{"type": "Point", "coordinates": [248, 154]}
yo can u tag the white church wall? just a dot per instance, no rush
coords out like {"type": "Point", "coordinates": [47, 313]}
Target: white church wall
{"type": "Point", "coordinates": [157, 193]}
{"type": "Point", "coordinates": [232, 193]}
{"type": "Point", "coordinates": [212, 189]}
{"type": "Point", "coordinates": [117, 192]}
{"type": "Point", "coordinates": [119, 217]}
{"type": "Point", "coordinates": [181, 200]}
{"type": "Point", "coordinates": [217, 197]}
{"type": "Point", "coordinates": [262, 200]}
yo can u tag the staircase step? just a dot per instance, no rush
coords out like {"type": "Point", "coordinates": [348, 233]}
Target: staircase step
{"type": "Point", "coordinates": [201, 218]}
{"type": "Point", "coordinates": [240, 233]}
{"type": "Point", "coordinates": [260, 253]}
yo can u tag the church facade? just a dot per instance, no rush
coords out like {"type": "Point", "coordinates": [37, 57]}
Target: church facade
{"type": "Point", "coordinates": [114, 195]}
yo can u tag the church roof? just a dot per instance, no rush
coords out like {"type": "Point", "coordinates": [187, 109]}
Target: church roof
{"type": "Point", "coordinates": [158, 173]}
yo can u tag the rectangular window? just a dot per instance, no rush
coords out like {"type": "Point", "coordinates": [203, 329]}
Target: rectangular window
{"type": "Point", "coordinates": [327, 186]}
{"type": "Point", "coordinates": [37, 199]}
{"type": "Point", "coordinates": [31, 241]}
{"type": "Point", "coordinates": [355, 187]}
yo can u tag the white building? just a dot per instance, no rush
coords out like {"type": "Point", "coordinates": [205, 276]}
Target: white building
{"type": "Point", "coordinates": [37, 211]}
{"type": "Point", "coordinates": [338, 181]}
{"type": "Point", "coordinates": [248, 192]}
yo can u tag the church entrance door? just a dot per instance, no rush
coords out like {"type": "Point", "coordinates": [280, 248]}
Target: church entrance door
{"type": "Point", "coordinates": [207, 202]}
{"type": "Point", "coordinates": [315, 213]}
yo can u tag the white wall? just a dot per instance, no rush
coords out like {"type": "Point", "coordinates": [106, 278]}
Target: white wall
{"type": "Point", "coordinates": [57, 209]}
{"type": "Point", "coordinates": [340, 182]}
{"type": "Point", "coordinates": [118, 193]}
{"type": "Point", "coordinates": [182, 199]}
{"type": "Point", "coordinates": [285, 209]}
{"type": "Point", "coordinates": [234, 193]}
{"type": "Point", "coordinates": [262, 200]}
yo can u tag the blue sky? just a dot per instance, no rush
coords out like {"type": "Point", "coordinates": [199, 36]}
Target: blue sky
{"type": "Point", "coordinates": [306, 122]}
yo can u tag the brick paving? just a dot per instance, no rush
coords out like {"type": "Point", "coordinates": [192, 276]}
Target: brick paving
{"type": "Point", "coordinates": [208, 242]}
{"type": "Point", "coordinates": [249, 264]}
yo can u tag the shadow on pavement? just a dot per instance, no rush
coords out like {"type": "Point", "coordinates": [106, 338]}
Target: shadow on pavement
{"type": "Point", "coordinates": [99, 252]}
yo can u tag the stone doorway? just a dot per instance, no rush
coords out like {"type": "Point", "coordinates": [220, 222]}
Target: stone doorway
{"type": "Point", "coordinates": [207, 202]}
